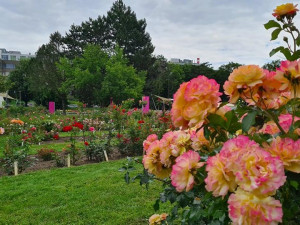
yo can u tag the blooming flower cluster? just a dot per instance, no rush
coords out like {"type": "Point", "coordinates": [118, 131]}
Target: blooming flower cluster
{"type": "Point", "coordinates": [194, 100]}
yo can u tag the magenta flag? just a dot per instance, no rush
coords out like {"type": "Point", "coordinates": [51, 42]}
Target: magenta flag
{"type": "Point", "coordinates": [51, 107]}
{"type": "Point", "coordinates": [146, 107]}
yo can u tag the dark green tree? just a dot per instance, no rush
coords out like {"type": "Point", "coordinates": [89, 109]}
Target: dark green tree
{"type": "Point", "coordinates": [45, 80]}
{"type": "Point", "coordinates": [156, 77]}
{"type": "Point", "coordinates": [121, 81]}
{"type": "Point", "coordinates": [272, 66]}
{"type": "Point", "coordinates": [129, 33]}
{"type": "Point", "coordinates": [19, 81]}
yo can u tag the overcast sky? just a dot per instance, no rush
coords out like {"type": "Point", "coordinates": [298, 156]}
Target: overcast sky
{"type": "Point", "coordinates": [216, 31]}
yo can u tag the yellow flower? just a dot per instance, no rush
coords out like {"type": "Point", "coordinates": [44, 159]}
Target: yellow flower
{"type": "Point", "coordinates": [285, 9]}
{"type": "Point", "coordinates": [247, 208]}
{"type": "Point", "coordinates": [152, 161]}
{"type": "Point", "coordinates": [156, 218]}
{"type": "Point", "coordinates": [249, 75]}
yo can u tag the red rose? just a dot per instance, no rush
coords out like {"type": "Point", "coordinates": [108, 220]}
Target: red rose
{"type": "Point", "coordinates": [86, 143]}
{"type": "Point", "coordinates": [56, 136]}
{"type": "Point", "coordinates": [141, 121]}
{"type": "Point", "coordinates": [67, 128]}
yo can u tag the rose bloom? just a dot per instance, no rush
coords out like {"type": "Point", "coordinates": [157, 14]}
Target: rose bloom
{"type": "Point", "coordinates": [285, 9]}
{"type": "Point", "coordinates": [287, 74]}
{"type": "Point", "coordinates": [152, 161]}
{"type": "Point", "coordinates": [194, 100]}
{"type": "Point", "coordinates": [20, 122]}
{"type": "Point", "coordinates": [259, 172]}
{"type": "Point", "coordinates": [243, 78]}
{"type": "Point", "coordinates": [285, 121]}
{"type": "Point", "coordinates": [92, 129]}
{"type": "Point", "coordinates": [183, 171]}
{"type": "Point", "coordinates": [219, 179]}
{"type": "Point", "coordinates": [247, 208]}
{"type": "Point", "coordinates": [86, 143]}
{"type": "Point", "coordinates": [268, 95]}
{"type": "Point", "coordinates": [2, 130]}
{"type": "Point", "coordinates": [198, 140]}
{"type": "Point", "coordinates": [67, 128]}
{"type": "Point", "coordinates": [173, 144]}
{"type": "Point", "coordinates": [151, 138]}
{"type": "Point", "coordinates": [156, 219]}
{"type": "Point", "coordinates": [288, 151]}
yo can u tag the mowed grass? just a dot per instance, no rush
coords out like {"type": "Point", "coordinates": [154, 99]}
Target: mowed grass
{"type": "Point", "coordinates": [89, 194]}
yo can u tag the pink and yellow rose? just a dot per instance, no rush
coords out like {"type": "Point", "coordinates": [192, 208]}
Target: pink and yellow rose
{"type": "Point", "coordinates": [152, 161]}
{"type": "Point", "coordinates": [284, 10]}
{"type": "Point", "coordinates": [194, 100]}
{"type": "Point", "coordinates": [184, 170]}
{"type": "Point", "coordinates": [248, 208]}
{"type": "Point", "coordinates": [288, 151]}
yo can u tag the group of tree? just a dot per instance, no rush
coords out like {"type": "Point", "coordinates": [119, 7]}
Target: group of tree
{"type": "Point", "coordinates": [103, 58]}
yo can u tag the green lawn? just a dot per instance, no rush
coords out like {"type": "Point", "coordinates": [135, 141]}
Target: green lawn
{"type": "Point", "coordinates": [89, 194]}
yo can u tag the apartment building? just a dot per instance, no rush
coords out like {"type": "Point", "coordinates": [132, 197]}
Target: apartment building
{"type": "Point", "coordinates": [10, 59]}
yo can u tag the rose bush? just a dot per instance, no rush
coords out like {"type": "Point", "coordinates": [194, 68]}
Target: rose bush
{"type": "Point", "coordinates": [235, 163]}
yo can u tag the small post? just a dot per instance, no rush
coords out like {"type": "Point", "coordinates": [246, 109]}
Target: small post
{"type": "Point", "coordinates": [105, 154]}
{"type": "Point", "coordinates": [16, 169]}
{"type": "Point", "coordinates": [69, 160]}
{"type": "Point", "coordinates": [22, 143]}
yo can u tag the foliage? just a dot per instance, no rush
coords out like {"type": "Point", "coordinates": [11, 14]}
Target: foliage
{"type": "Point", "coordinates": [46, 154]}
{"type": "Point", "coordinates": [228, 162]}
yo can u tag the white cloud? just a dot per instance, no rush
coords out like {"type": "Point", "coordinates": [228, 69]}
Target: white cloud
{"type": "Point", "coordinates": [217, 31]}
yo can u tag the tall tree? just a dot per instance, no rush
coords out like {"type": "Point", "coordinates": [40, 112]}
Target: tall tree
{"type": "Point", "coordinates": [45, 79]}
{"type": "Point", "coordinates": [129, 33]}
{"type": "Point", "coordinates": [121, 81]}
{"type": "Point", "coordinates": [19, 81]}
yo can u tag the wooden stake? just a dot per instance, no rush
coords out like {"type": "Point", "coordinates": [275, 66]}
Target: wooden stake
{"type": "Point", "coordinates": [16, 169]}
{"type": "Point", "coordinates": [69, 161]}
{"type": "Point", "coordinates": [105, 154]}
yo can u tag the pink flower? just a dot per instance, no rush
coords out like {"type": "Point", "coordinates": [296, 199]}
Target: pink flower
{"type": "Point", "coordinates": [2, 130]}
{"type": "Point", "coordinates": [259, 172]}
{"type": "Point", "coordinates": [219, 179]}
{"type": "Point", "coordinates": [92, 129]}
{"type": "Point", "coordinates": [173, 144]}
{"type": "Point", "coordinates": [289, 74]}
{"type": "Point", "coordinates": [285, 121]}
{"type": "Point", "coordinates": [288, 151]}
{"type": "Point", "coordinates": [247, 208]}
{"type": "Point", "coordinates": [198, 140]}
{"type": "Point", "coordinates": [152, 161]}
{"type": "Point", "coordinates": [183, 171]}
{"type": "Point", "coordinates": [151, 138]}
{"type": "Point", "coordinates": [194, 100]}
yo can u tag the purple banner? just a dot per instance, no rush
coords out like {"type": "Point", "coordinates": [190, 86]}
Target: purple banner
{"type": "Point", "coordinates": [146, 107]}
{"type": "Point", "coordinates": [51, 107]}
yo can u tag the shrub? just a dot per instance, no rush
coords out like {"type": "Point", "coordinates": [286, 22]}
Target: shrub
{"type": "Point", "coordinates": [46, 154]}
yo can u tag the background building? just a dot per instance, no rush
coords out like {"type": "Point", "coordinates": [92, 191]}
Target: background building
{"type": "Point", "coordinates": [184, 61]}
{"type": "Point", "coordinates": [9, 60]}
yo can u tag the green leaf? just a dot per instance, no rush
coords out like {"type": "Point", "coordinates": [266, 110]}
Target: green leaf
{"type": "Point", "coordinates": [295, 184]}
{"type": "Point", "coordinates": [216, 121]}
{"type": "Point", "coordinates": [271, 24]}
{"type": "Point", "coordinates": [275, 34]}
{"type": "Point", "coordinates": [297, 124]}
{"type": "Point", "coordinates": [156, 205]}
{"type": "Point", "coordinates": [298, 40]}
{"type": "Point", "coordinates": [127, 178]}
{"type": "Point", "coordinates": [275, 50]}
{"type": "Point", "coordinates": [296, 55]}
{"type": "Point", "coordinates": [248, 121]}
